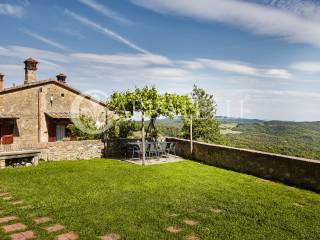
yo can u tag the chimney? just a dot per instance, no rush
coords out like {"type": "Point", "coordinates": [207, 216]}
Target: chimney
{"type": "Point", "coordinates": [61, 78]}
{"type": "Point", "coordinates": [1, 82]}
{"type": "Point", "coordinates": [30, 70]}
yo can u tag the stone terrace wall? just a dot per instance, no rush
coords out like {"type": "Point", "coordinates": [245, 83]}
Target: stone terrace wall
{"type": "Point", "coordinates": [65, 150]}
{"type": "Point", "coordinates": [73, 150]}
{"type": "Point", "coordinates": [296, 171]}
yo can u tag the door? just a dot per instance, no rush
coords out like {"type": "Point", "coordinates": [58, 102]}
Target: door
{"type": "Point", "coordinates": [6, 133]}
{"type": "Point", "coordinates": [60, 132]}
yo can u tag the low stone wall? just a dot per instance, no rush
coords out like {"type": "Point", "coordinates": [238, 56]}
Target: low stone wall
{"type": "Point", "coordinates": [296, 171]}
{"type": "Point", "coordinates": [64, 150]}
{"type": "Point", "coordinates": [73, 150]}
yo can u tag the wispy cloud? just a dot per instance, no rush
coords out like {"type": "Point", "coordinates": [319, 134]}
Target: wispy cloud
{"type": "Point", "coordinates": [11, 10]}
{"type": "Point", "coordinates": [309, 67]}
{"type": "Point", "coordinates": [140, 59]}
{"type": "Point", "coordinates": [304, 8]}
{"type": "Point", "coordinates": [106, 11]}
{"type": "Point", "coordinates": [257, 18]}
{"type": "Point", "coordinates": [43, 39]}
{"type": "Point", "coordinates": [261, 99]}
{"type": "Point", "coordinates": [237, 67]}
{"type": "Point", "coordinates": [105, 31]}
{"type": "Point", "coordinates": [21, 52]}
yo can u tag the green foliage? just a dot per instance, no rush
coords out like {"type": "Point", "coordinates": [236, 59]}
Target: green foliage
{"type": "Point", "coordinates": [87, 123]}
{"type": "Point", "coordinates": [204, 130]}
{"type": "Point", "coordinates": [169, 127]}
{"type": "Point", "coordinates": [288, 138]}
{"type": "Point", "coordinates": [148, 101]}
{"type": "Point", "coordinates": [204, 127]}
{"type": "Point", "coordinates": [151, 104]}
{"type": "Point", "coordinates": [205, 102]}
{"type": "Point", "coordinates": [121, 128]}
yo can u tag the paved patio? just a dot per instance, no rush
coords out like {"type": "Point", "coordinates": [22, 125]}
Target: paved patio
{"type": "Point", "coordinates": [154, 161]}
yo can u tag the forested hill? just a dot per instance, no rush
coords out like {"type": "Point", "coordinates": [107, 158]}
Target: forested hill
{"type": "Point", "coordinates": [300, 139]}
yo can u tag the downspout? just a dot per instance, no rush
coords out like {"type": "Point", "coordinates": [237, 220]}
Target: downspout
{"type": "Point", "coordinates": [39, 120]}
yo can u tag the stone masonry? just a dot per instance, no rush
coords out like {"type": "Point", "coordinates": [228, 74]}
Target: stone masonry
{"type": "Point", "coordinates": [301, 172]}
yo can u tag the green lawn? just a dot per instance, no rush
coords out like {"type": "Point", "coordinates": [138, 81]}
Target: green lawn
{"type": "Point", "coordinates": [103, 196]}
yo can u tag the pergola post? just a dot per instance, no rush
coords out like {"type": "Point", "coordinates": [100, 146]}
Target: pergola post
{"type": "Point", "coordinates": [143, 140]}
{"type": "Point", "coordinates": [191, 137]}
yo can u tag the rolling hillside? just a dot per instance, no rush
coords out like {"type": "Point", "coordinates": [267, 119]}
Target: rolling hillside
{"type": "Point", "coordinates": [301, 139]}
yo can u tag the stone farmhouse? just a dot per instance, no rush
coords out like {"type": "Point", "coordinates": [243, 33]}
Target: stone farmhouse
{"type": "Point", "coordinates": [37, 112]}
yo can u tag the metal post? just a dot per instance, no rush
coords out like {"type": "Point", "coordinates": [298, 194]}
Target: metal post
{"type": "Point", "coordinates": [191, 137]}
{"type": "Point", "coordinates": [143, 141]}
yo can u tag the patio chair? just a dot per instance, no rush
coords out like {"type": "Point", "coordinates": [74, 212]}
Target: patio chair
{"type": "Point", "coordinates": [162, 148]}
{"type": "Point", "coordinates": [152, 150]}
{"type": "Point", "coordinates": [172, 148]}
{"type": "Point", "coordinates": [168, 144]}
{"type": "Point", "coordinates": [135, 150]}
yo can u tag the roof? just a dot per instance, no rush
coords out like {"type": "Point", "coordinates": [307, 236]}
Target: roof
{"type": "Point", "coordinates": [8, 116]}
{"type": "Point", "coordinates": [61, 115]}
{"type": "Point", "coordinates": [50, 81]}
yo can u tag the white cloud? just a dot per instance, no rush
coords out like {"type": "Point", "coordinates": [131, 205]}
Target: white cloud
{"type": "Point", "coordinates": [43, 39]}
{"type": "Point", "coordinates": [237, 67]}
{"type": "Point", "coordinates": [269, 104]}
{"type": "Point", "coordinates": [257, 18]}
{"type": "Point", "coordinates": [11, 10]}
{"type": "Point", "coordinates": [22, 53]}
{"type": "Point", "coordinates": [104, 10]}
{"type": "Point", "coordinates": [161, 72]}
{"type": "Point", "coordinates": [140, 59]}
{"type": "Point", "coordinates": [263, 99]}
{"type": "Point", "coordinates": [309, 67]}
{"type": "Point", "coordinates": [10, 67]}
{"type": "Point", "coordinates": [304, 8]}
{"type": "Point", "coordinates": [105, 31]}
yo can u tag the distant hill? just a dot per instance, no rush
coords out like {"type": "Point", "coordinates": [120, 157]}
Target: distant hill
{"type": "Point", "coordinates": [301, 139]}
{"type": "Point", "coordinates": [223, 119]}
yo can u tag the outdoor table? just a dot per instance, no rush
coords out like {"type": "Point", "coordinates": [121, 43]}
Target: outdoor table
{"type": "Point", "coordinates": [162, 148]}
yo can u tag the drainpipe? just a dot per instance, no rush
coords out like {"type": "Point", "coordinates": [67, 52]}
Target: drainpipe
{"type": "Point", "coordinates": [39, 120]}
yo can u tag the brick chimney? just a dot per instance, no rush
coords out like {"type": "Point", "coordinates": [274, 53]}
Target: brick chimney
{"type": "Point", "coordinates": [30, 70]}
{"type": "Point", "coordinates": [61, 78]}
{"type": "Point", "coordinates": [1, 82]}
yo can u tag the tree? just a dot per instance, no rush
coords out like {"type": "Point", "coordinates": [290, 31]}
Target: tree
{"type": "Point", "coordinates": [203, 127]}
{"type": "Point", "coordinates": [150, 104]}
{"type": "Point", "coordinates": [84, 128]}
{"type": "Point", "coordinates": [120, 128]}
{"type": "Point", "coordinates": [205, 102]}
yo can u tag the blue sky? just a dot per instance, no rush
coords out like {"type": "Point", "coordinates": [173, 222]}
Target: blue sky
{"type": "Point", "coordinates": [261, 59]}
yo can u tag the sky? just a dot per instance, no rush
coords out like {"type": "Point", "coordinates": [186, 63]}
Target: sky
{"type": "Point", "coordinates": [260, 58]}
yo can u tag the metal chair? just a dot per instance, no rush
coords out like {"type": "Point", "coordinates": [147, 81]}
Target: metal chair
{"type": "Point", "coordinates": [152, 149]}
{"type": "Point", "coordinates": [162, 149]}
{"type": "Point", "coordinates": [135, 149]}
{"type": "Point", "coordinates": [172, 148]}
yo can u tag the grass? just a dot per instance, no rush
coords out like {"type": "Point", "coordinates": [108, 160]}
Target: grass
{"type": "Point", "coordinates": [103, 196]}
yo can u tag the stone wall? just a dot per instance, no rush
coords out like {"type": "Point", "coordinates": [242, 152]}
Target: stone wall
{"type": "Point", "coordinates": [73, 150]}
{"type": "Point", "coordinates": [64, 150]}
{"type": "Point", "coordinates": [2, 164]}
{"type": "Point", "coordinates": [24, 104]}
{"type": "Point", "coordinates": [296, 171]}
